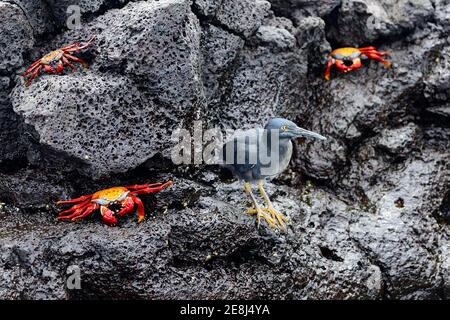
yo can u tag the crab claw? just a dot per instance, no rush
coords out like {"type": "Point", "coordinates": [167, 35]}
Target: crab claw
{"type": "Point", "coordinates": [108, 216]}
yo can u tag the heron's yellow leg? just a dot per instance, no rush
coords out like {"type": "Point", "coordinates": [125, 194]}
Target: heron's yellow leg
{"type": "Point", "coordinates": [257, 209]}
{"type": "Point", "coordinates": [276, 216]}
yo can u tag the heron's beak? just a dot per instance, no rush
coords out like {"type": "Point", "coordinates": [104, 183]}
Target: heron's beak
{"type": "Point", "coordinates": [299, 132]}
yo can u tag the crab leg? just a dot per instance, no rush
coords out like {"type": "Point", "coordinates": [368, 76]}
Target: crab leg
{"type": "Point", "coordinates": [148, 185]}
{"type": "Point", "coordinates": [327, 71]}
{"type": "Point", "coordinates": [77, 212]}
{"type": "Point", "coordinates": [25, 74]}
{"type": "Point", "coordinates": [32, 67]}
{"type": "Point", "coordinates": [87, 44]}
{"type": "Point", "coordinates": [74, 208]}
{"type": "Point", "coordinates": [377, 57]}
{"type": "Point", "coordinates": [33, 75]}
{"type": "Point", "coordinates": [74, 47]}
{"type": "Point", "coordinates": [85, 213]}
{"type": "Point", "coordinates": [140, 208]}
{"type": "Point", "coordinates": [372, 50]}
{"type": "Point", "coordinates": [151, 189]}
{"type": "Point", "coordinates": [367, 48]}
{"type": "Point", "coordinates": [71, 57]}
{"type": "Point", "coordinates": [75, 200]}
{"type": "Point", "coordinates": [372, 53]}
{"type": "Point", "coordinates": [70, 46]}
{"type": "Point", "coordinates": [71, 66]}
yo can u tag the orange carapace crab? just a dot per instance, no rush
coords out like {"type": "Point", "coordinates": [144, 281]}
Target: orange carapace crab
{"type": "Point", "coordinates": [113, 202]}
{"type": "Point", "coordinates": [348, 59]}
{"type": "Point", "coordinates": [54, 61]}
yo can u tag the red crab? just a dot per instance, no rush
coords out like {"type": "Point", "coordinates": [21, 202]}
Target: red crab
{"type": "Point", "coordinates": [348, 59]}
{"type": "Point", "coordinates": [53, 62]}
{"type": "Point", "coordinates": [113, 202]}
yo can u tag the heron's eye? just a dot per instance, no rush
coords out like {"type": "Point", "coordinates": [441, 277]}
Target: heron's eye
{"type": "Point", "coordinates": [284, 128]}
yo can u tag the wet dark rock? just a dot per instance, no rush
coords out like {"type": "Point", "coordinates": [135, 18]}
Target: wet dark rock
{"type": "Point", "coordinates": [442, 13]}
{"type": "Point", "coordinates": [158, 257]}
{"type": "Point", "coordinates": [27, 189]}
{"type": "Point", "coordinates": [437, 83]}
{"type": "Point", "coordinates": [399, 141]}
{"type": "Point", "coordinates": [368, 208]}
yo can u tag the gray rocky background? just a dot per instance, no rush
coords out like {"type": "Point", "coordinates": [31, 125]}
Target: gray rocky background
{"type": "Point", "coordinates": [368, 209]}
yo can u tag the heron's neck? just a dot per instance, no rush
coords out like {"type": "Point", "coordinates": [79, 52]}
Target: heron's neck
{"type": "Point", "coordinates": [282, 143]}
{"type": "Point", "coordinates": [285, 142]}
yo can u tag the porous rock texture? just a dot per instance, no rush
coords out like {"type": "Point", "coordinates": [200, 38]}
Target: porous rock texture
{"type": "Point", "coordinates": [368, 208]}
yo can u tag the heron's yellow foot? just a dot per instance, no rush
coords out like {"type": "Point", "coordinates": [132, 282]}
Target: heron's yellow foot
{"type": "Point", "coordinates": [261, 214]}
{"type": "Point", "coordinates": [277, 216]}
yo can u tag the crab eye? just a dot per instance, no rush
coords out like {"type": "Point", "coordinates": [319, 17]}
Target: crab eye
{"type": "Point", "coordinates": [284, 128]}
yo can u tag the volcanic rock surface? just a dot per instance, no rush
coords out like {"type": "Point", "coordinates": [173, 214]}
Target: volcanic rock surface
{"type": "Point", "coordinates": [368, 208]}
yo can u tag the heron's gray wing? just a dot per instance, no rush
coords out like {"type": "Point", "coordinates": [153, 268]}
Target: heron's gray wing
{"type": "Point", "coordinates": [240, 154]}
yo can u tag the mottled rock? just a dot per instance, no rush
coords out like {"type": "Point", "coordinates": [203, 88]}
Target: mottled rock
{"type": "Point", "coordinates": [243, 16]}
{"type": "Point", "coordinates": [156, 43]}
{"type": "Point", "coordinates": [399, 141]}
{"type": "Point", "coordinates": [156, 259]}
{"type": "Point", "coordinates": [362, 21]}
{"type": "Point", "coordinates": [437, 84]}
{"type": "Point", "coordinates": [220, 49]}
{"type": "Point", "coordinates": [15, 38]}
{"type": "Point", "coordinates": [39, 15]}
{"type": "Point", "coordinates": [402, 203]}
{"type": "Point", "coordinates": [311, 37]}
{"type": "Point", "coordinates": [207, 7]}
{"type": "Point", "coordinates": [280, 23]}
{"type": "Point", "coordinates": [320, 160]}
{"type": "Point", "coordinates": [368, 208]}
{"type": "Point", "coordinates": [104, 120]}
{"type": "Point", "coordinates": [249, 101]}
{"type": "Point", "coordinates": [10, 125]}
{"type": "Point", "coordinates": [278, 37]}
{"type": "Point", "coordinates": [442, 13]}
{"type": "Point", "coordinates": [63, 9]}
{"type": "Point", "coordinates": [99, 120]}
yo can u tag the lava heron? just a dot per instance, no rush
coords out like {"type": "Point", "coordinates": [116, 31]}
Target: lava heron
{"type": "Point", "coordinates": [255, 154]}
